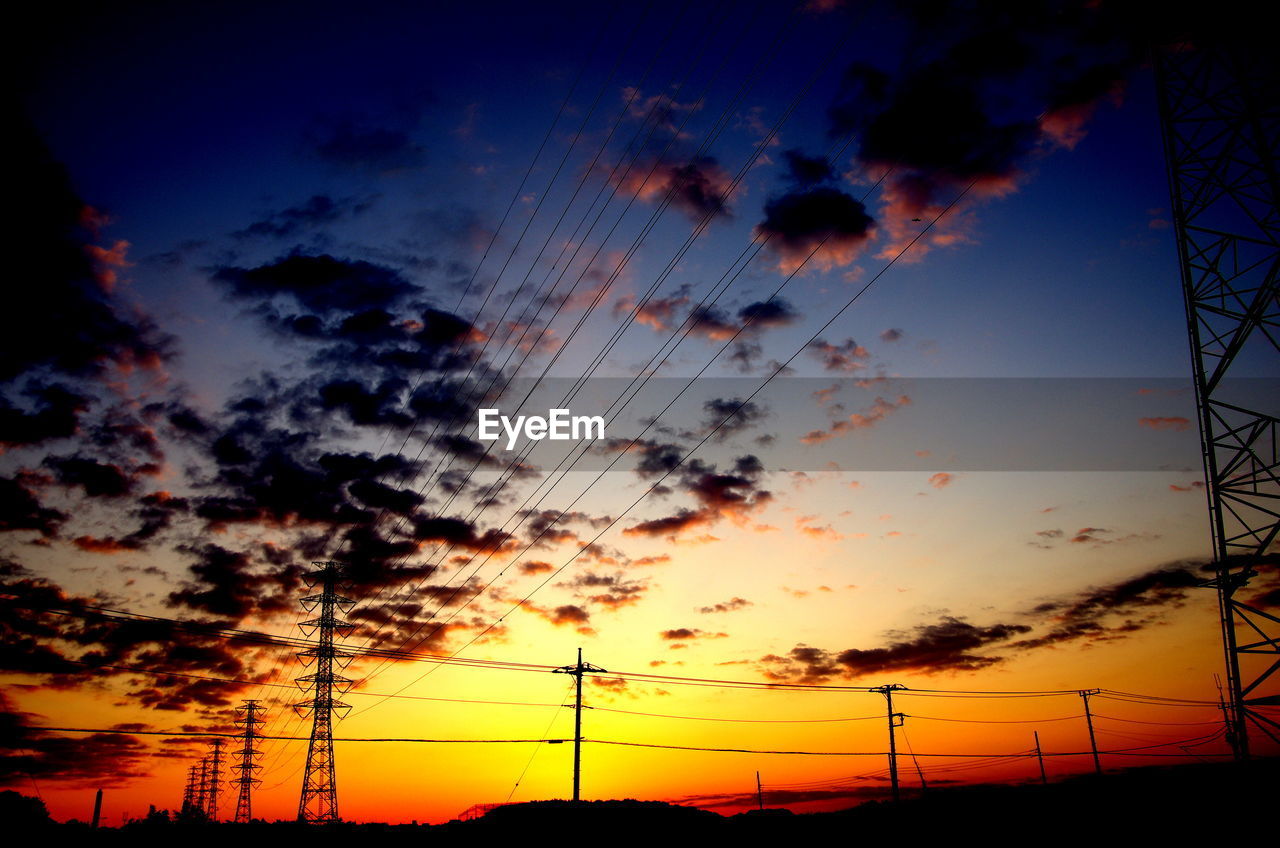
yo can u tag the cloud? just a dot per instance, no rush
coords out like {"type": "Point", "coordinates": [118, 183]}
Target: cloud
{"type": "Point", "coordinates": [699, 187]}
{"type": "Point", "coordinates": [323, 285]}
{"type": "Point", "coordinates": [658, 313]}
{"type": "Point", "coordinates": [1176, 424]}
{"type": "Point", "coordinates": [823, 219]}
{"type": "Point", "coordinates": [317, 211]}
{"type": "Point", "coordinates": [54, 413]}
{"type": "Point", "coordinates": [734, 495]}
{"type": "Point", "coordinates": [941, 480]}
{"type": "Point", "coordinates": [983, 94]}
{"type": "Point", "coordinates": [731, 605]}
{"type": "Point", "coordinates": [848, 356]}
{"type": "Point", "coordinates": [97, 479]}
{"type": "Point", "coordinates": [62, 286]}
{"type": "Point", "coordinates": [226, 583]}
{"type": "Point", "coordinates": [1091, 614]}
{"type": "Point", "coordinates": [384, 145]}
{"type": "Point", "coordinates": [716, 324]}
{"type": "Point", "coordinates": [732, 415]}
{"type": "Point", "coordinates": [953, 644]}
{"type": "Point", "coordinates": [79, 646]}
{"type": "Point", "coordinates": [879, 410]}
{"type": "Point", "coordinates": [688, 634]}
{"type": "Point", "coordinates": [21, 509]}
{"type": "Point", "coordinates": [91, 761]}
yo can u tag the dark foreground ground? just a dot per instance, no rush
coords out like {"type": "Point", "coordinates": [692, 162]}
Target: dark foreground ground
{"type": "Point", "coordinates": [1153, 805]}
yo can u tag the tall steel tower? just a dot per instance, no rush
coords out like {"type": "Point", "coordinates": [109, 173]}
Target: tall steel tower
{"type": "Point", "coordinates": [248, 755]}
{"type": "Point", "coordinates": [319, 801]}
{"type": "Point", "coordinates": [189, 792]}
{"type": "Point", "coordinates": [1220, 116]}
{"type": "Point", "coordinates": [213, 788]}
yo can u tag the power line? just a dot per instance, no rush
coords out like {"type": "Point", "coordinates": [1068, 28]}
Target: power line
{"type": "Point", "coordinates": [629, 744]}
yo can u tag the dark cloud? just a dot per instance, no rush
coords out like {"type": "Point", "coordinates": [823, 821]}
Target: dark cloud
{"type": "Point", "coordinates": [799, 222]}
{"type": "Point", "coordinates": [611, 591]}
{"type": "Point", "coordinates": [952, 644]}
{"type": "Point", "coordinates": [1092, 614]}
{"type": "Point", "coordinates": [731, 495]}
{"type": "Point", "coordinates": [21, 509]}
{"type": "Point", "coordinates": [317, 211]}
{"type": "Point", "coordinates": [980, 89]}
{"type": "Point", "coordinates": [731, 605]}
{"type": "Point", "coordinates": [807, 170]}
{"type": "Point", "coordinates": [50, 633]}
{"type": "Point", "coordinates": [716, 324]}
{"type": "Point", "coordinates": [686, 634]}
{"type": "Point", "coordinates": [62, 285]}
{"type": "Point", "coordinates": [459, 533]}
{"type": "Point", "coordinates": [732, 415]}
{"type": "Point", "coordinates": [97, 479]}
{"type": "Point", "coordinates": [847, 356]}
{"type": "Point", "coordinates": [385, 144]}
{"type": "Point", "coordinates": [81, 762]}
{"type": "Point", "coordinates": [1097, 614]}
{"type": "Point", "coordinates": [226, 583]}
{"type": "Point", "coordinates": [323, 285]}
{"type": "Point", "coordinates": [54, 413]}
{"type": "Point", "coordinates": [699, 187]}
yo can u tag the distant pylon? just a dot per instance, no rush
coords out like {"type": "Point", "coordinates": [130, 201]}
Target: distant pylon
{"type": "Point", "coordinates": [214, 786]}
{"type": "Point", "coordinates": [577, 671]}
{"type": "Point", "coordinates": [189, 791]}
{"type": "Point", "coordinates": [248, 756]}
{"type": "Point", "coordinates": [202, 787]}
{"type": "Point", "coordinates": [319, 800]}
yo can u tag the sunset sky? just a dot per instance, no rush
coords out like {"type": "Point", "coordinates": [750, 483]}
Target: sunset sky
{"type": "Point", "coordinates": [880, 305]}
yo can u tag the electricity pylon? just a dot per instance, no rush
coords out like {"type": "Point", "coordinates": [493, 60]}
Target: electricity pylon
{"type": "Point", "coordinates": [319, 800]}
{"type": "Point", "coordinates": [248, 756]}
{"type": "Point", "coordinates": [213, 788]}
{"type": "Point", "coordinates": [1220, 117]}
{"type": "Point", "coordinates": [189, 791]}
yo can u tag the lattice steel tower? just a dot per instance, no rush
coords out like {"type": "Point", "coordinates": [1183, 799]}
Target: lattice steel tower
{"type": "Point", "coordinates": [1220, 118]}
{"type": "Point", "coordinates": [248, 756]}
{"type": "Point", "coordinates": [189, 792]}
{"type": "Point", "coordinates": [319, 801]}
{"type": "Point", "coordinates": [213, 788]}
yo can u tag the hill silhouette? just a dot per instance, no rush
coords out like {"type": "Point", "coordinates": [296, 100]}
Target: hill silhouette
{"type": "Point", "coordinates": [1151, 803]}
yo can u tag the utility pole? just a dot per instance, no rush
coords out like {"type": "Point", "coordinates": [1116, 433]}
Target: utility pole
{"type": "Point", "coordinates": [1044, 778]}
{"type": "Point", "coordinates": [1088, 717]}
{"type": "Point", "coordinates": [319, 799]}
{"type": "Point", "coordinates": [895, 720]}
{"type": "Point", "coordinates": [577, 671]}
{"type": "Point", "coordinates": [248, 756]}
{"type": "Point", "coordinates": [215, 781]}
{"type": "Point", "coordinates": [759, 792]}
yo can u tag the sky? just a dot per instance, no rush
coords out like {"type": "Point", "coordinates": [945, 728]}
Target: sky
{"type": "Point", "coordinates": [879, 307]}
